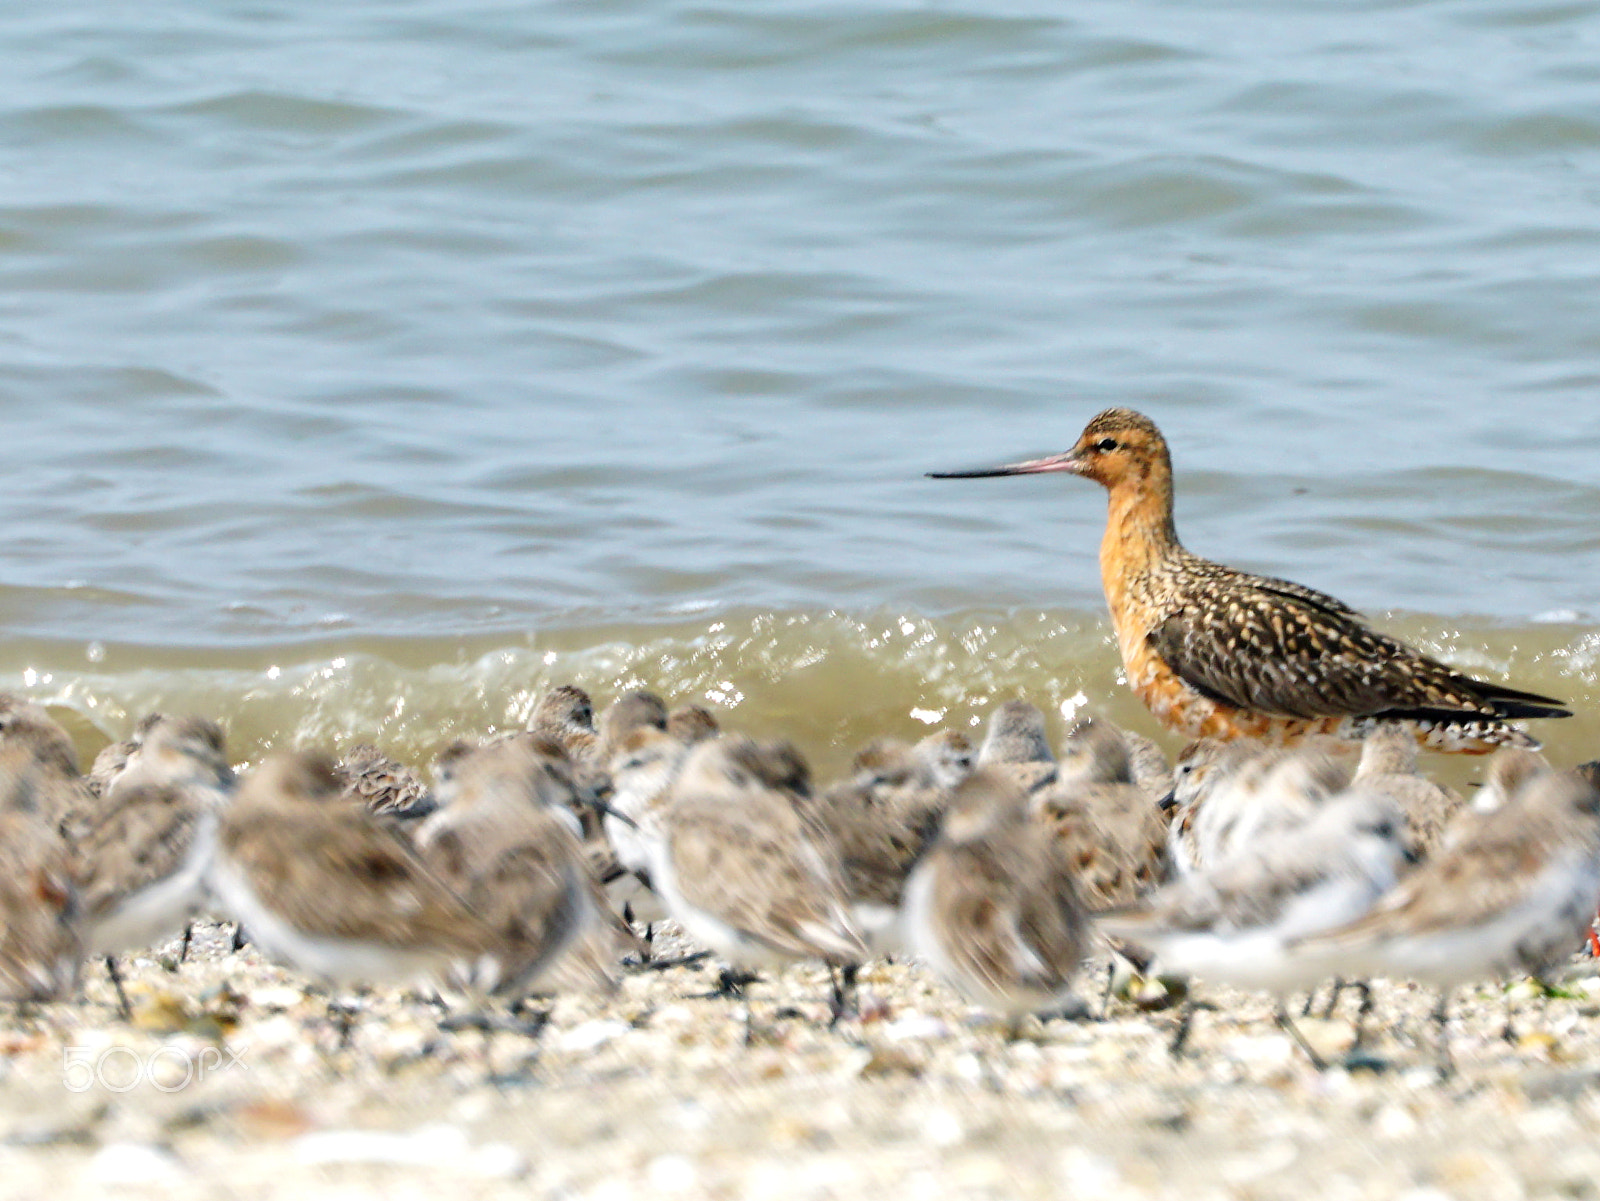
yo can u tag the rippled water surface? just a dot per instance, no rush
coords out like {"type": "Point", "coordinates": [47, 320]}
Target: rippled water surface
{"type": "Point", "coordinates": [423, 352]}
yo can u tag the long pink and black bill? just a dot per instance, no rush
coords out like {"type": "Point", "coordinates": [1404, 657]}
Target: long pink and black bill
{"type": "Point", "coordinates": [1065, 461]}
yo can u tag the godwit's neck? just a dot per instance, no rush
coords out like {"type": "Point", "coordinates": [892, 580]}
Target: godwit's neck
{"type": "Point", "coordinates": [1140, 535]}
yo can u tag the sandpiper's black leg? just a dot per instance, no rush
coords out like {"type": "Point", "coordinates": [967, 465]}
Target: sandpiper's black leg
{"type": "Point", "coordinates": [1363, 1013]}
{"type": "Point", "coordinates": [1441, 1017]}
{"type": "Point", "coordinates": [116, 982]}
{"type": "Point", "coordinates": [342, 1016]}
{"type": "Point", "coordinates": [1280, 1015]}
{"type": "Point", "coordinates": [1508, 1032]}
{"type": "Point", "coordinates": [843, 995]}
{"type": "Point", "coordinates": [1339, 985]}
{"type": "Point", "coordinates": [731, 984]}
{"type": "Point", "coordinates": [1180, 1036]}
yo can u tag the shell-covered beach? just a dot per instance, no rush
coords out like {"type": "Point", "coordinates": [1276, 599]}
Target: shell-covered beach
{"type": "Point", "coordinates": [654, 1092]}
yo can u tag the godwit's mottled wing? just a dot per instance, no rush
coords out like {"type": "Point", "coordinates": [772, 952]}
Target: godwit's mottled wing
{"type": "Point", "coordinates": [1319, 600]}
{"type": "Point", "coordinates": [1257, 646]}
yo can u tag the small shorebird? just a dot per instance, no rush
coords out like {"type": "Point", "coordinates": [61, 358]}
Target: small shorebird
{"type": "Point", "coordinates": [1389, 765]}
{"type": "Point", "coordinates": [40, 936]}
{"type": "Point", "coordinates": [563, 727]}
{"type": "Point", "coordinates": [1108, 826]}
{"type": "Point", "coordinates": [1232, 923]}
{"type": "Point", "coordinates": [992, 908]}
{"type": "Point", "coordinates": [643, 769]}
{"type": "Point", "coordinates": [886, 766]}
{"type": "Point", "coordinates": [566, 750]}
{"type": "Point", "coordinates": [325, 888]}
{"type": "Point", "coordinates": [1236, 793]}
{"type": "Point", "coordinates": [146, 854]}
{"type": "Point", "coordinates": [1217, 922]}
{"type": "Point", "coordinates": [738, 867]}
{"type": "Point", "coordinates": [1288, 788]}
{"type": "Point", "coordinates": [1510, 770]}
{"type": "Point", "coordinates": [1095, 748]}
{"type": "Point", "coordinates": [566, 713]}
{"type": "Point", "coordinates": [1097, 752]}
{"type": "Point", "coordinates": [946, 756]}
{"type": "Point", "coordinates": [113, 758]}
{"type": "Point", "coordinates": [880, 819]}
{"type": "Point", "coordinates": [1214, 652]}
{"type": "Point", "coordinates": [188, 751]}
{"type": "Point", "coordinates": [1512, 890]}
{"type": "Point", "coordinates": [877, 846]}
{"type": "Point", "coordinates": [508, 847]}
{"type": "Point", "coordinates": [387, 788]}
{"type": "Point", "coordinates": [23, 723]}
{"type": "Point", "coordinates": [692, 723]}
{"type": "Point", "coordinates": [65, 798]}
{"type": "Point", "coordinates": [637, 709]}
{"type": "Point", "coordinates": [1015, 746]}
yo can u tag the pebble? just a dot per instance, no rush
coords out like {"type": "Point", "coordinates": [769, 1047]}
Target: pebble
{"type": "Point", "coordinates": [592, 1035]}
{"type": "Point", "coordinates": [1089, 1177]}
{"type": "Point", "coordinates": [134, 1163]}
{"type": "Point", "coordinates": [277, 996]}
{"type": "Point", "coordinates": [434, 1146]}
{"type": "Point", "coordinates": [915, 1025]}
{"type": "Point", "coordinates": [1393, 1122]}
{"type": "Point", "coordinates": [672, 1174]}
{"type": "Point", "coordinates": [969, 1067]}
{"type": "Point", "coordinates": [1270, 1160]}
{"type": "Point", "coordinates": [941, 1128]}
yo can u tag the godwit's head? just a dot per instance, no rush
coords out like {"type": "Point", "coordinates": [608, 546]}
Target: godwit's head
{"type": "Point", "coordinates": [1118, 446]}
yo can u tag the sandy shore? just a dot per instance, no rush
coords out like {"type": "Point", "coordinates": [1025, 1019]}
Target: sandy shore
{"type": "Point", "coordinates": [231, 1082]}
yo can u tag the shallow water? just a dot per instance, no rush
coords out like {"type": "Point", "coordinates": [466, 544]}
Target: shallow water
{"type": "Point", "coordinates": [436, 352]}
{"type": "Point", "coordinates": [830, 680]}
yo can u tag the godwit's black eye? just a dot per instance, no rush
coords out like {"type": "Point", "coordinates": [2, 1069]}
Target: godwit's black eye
{"type": "Point", "coordinates": [1106, 444]}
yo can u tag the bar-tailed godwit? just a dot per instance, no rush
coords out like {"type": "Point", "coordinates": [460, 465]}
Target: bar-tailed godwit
{"type": "Point", "coordinates": [1215, 652]}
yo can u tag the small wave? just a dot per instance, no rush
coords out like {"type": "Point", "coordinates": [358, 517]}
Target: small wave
{"type": "Point", "coordinates": [829, 680]}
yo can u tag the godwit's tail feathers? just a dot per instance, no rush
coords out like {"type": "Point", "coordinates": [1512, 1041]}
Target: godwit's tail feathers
{"type": "Point", "coordinates": [1515, 705]}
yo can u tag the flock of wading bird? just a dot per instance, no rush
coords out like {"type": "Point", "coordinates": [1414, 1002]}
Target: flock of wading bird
{"type": "Point", "coordinates": [1272, 856]}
